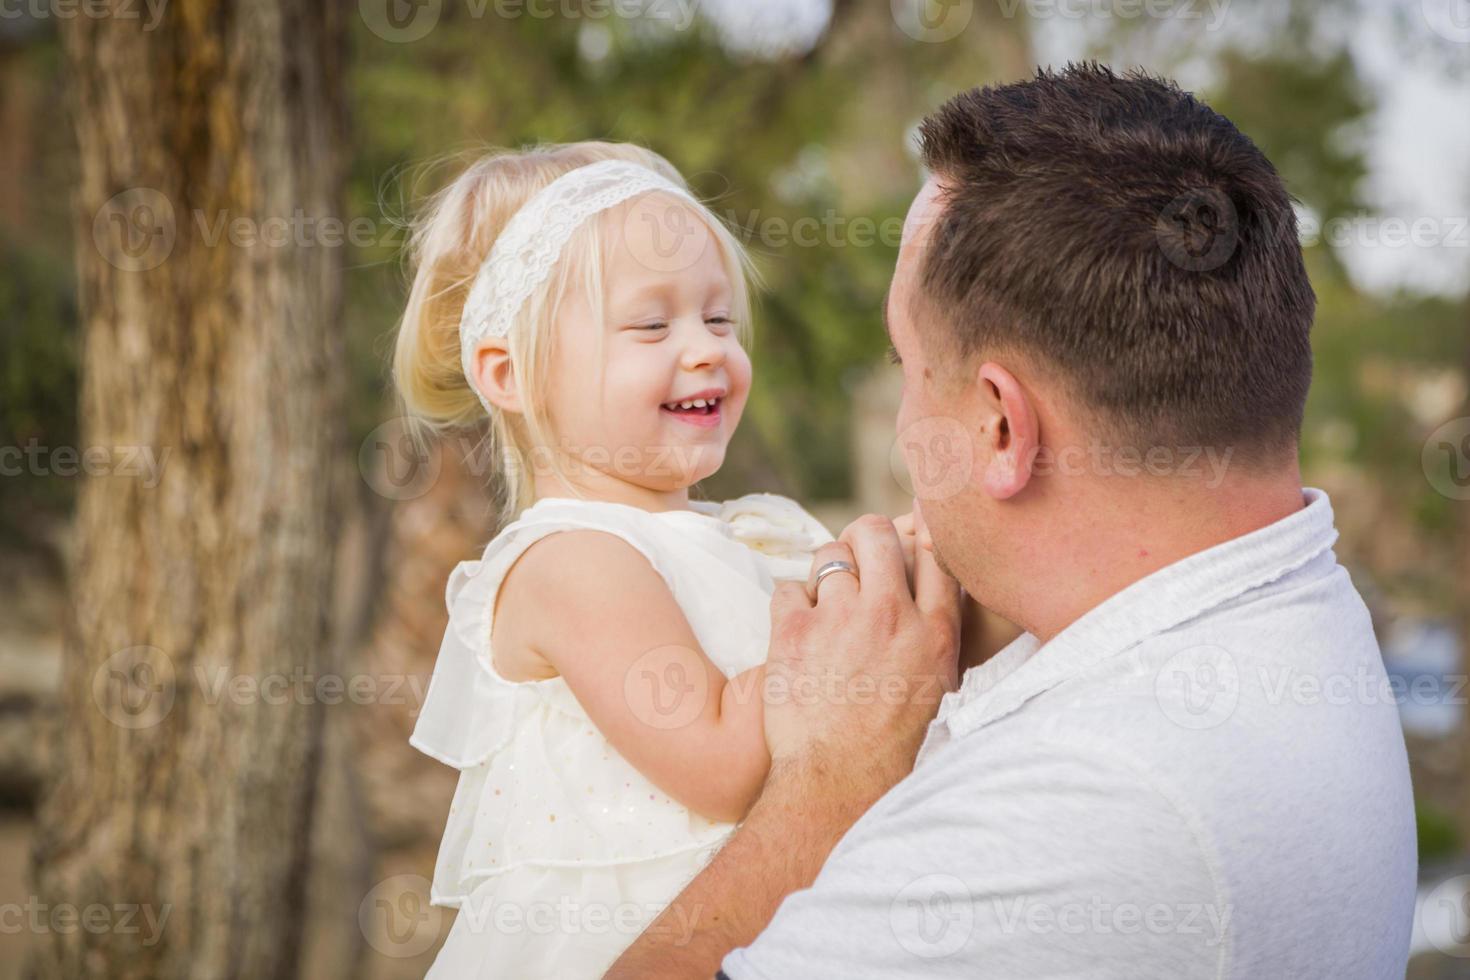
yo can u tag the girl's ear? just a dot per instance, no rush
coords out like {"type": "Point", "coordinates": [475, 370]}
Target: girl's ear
{"type": "Point", "coordinates": [495, 375]}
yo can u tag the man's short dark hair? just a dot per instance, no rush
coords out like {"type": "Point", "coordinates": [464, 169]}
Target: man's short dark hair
{"type": "Point", "coordinates": [1119, 230]}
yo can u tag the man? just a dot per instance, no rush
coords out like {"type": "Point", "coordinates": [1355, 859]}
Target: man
{"type": "Point", "coordinates": [1188, 765]}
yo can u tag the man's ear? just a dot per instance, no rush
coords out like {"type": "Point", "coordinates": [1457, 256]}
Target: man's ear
{"type": "Point", "coordinates": [1010, 435]}
{"type": "Point", "coordinates": [495, 375]}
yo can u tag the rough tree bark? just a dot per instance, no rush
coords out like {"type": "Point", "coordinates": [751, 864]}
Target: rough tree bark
{"type": "Point", "coordinates": [211, 291]}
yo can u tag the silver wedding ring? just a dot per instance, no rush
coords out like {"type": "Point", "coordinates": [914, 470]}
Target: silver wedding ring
{"type": "Point", "coordinates": [832, 568]}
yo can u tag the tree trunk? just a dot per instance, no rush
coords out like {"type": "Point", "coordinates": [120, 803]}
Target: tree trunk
{"type": "Point", "coordinates": [177, 818]}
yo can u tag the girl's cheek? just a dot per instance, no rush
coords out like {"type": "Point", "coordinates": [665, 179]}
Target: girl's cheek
{"type": "Point", "coordinates": [740, 376]}
{"type": "Point", "coordinates": [741, 369]}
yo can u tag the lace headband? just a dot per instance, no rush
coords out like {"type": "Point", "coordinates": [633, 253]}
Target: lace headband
{"type": "Point", "coordinates": [527, 249]}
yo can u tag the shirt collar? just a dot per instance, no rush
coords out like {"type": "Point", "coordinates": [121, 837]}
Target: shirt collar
{"type": "Point", "coordinates": [1156, 603]}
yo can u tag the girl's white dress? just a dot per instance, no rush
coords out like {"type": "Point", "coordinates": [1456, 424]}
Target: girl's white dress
{"type": "Point", "coordinates": [557, 852]}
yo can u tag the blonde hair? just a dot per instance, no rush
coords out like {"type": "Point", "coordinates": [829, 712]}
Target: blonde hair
{"type": "Point", "coordinates": [450, 238]}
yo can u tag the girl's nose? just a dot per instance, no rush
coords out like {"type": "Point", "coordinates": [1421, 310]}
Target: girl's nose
{"type": "Point", "coordinates": [703, 350]}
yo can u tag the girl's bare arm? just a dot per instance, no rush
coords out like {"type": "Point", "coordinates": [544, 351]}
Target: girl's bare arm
{"type": "Point", "coordinates": [588, 606]}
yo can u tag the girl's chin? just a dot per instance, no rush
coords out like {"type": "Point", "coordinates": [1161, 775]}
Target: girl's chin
{"type": "Point", "coordinates": [673, 482]}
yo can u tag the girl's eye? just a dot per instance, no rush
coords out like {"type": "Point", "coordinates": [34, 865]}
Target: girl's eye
{"type": "Point", "coordinates": [650, 326]}
{"type": "Point", "coordinates": [719, 321]}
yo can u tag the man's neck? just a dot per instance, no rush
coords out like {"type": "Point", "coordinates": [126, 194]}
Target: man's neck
{"type": "Point", "coordinates": [1118, 543]}
{"type": "Point", "coordinates": [983, 634]}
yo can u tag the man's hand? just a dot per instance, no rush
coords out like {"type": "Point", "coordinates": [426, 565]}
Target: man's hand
{"type": "Point", "coordinates": [856, 671]}
{"type": "Point", "coordinates": [858, 665]}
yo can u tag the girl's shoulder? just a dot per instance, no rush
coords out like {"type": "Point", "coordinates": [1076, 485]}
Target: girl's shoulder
{"type": "Point", "coordinates": [718, 560]}
{"type": "Point", "coordinates": [768, 523]}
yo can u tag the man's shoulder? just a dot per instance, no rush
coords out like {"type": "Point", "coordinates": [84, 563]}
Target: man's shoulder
{"type": "Point", "coordinates": [1212, 774]}
{"type": "Point", "coordinates": [1275, 701]}
{"type": "Point", "coordinates": [1234, 678]}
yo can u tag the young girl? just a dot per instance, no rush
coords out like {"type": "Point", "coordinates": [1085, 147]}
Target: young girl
{"type": "Point", "coordinates": [599, 683]}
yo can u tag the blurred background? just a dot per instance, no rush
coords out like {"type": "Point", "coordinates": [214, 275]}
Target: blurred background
{"type": "Point", "coordinates": [222, 563]}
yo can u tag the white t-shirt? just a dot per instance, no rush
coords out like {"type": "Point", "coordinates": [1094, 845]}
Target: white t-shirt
{"type": "Point", "coordinates": [1202, 777]}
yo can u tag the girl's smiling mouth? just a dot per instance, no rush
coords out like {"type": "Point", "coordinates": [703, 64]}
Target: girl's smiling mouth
{"type": "Point", "coordinates": [701, 408]}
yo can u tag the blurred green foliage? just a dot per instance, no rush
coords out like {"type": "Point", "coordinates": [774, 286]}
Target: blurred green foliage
{"type": "Point", "coordinates": [38, 382]}
{"type": "Point", "coordinates": [38, 350]}
{"type": "Point", "coordinates": [812, 135]}
{"type": "Point", "coordinates": [727, 124]}
{"type": "Point", "coordinates": [1439, 835]}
